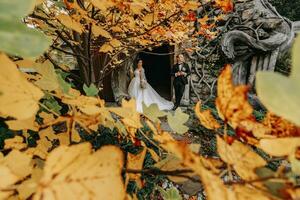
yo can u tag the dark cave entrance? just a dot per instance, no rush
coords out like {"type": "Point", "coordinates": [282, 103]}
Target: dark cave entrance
{"type": "Point", "coordinates": [158, 64]}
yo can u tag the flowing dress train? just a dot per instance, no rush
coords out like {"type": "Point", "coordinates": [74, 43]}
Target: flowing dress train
{"type": "Point", "coordinates": [147, 94]}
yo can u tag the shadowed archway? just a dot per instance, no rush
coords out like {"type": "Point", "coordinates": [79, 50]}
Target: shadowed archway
{"type": "Point", "coordinates": [157, 65]}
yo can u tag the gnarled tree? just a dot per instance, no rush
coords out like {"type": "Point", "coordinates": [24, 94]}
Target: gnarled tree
{"type": "Point", "coordinates": [102, 34]}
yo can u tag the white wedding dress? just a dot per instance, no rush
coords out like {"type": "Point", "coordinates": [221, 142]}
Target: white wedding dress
{"type": "Point", "coordinates": [147, 94]}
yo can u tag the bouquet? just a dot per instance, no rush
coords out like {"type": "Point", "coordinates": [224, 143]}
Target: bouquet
{"type": "Point", "coordinates": [143, 83]}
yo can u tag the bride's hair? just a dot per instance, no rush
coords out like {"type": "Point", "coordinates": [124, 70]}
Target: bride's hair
{"type": "Point", "coordinates": [137, 62]}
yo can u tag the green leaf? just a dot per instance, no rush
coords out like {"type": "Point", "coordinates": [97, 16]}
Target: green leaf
{"type": "Point", "coordinates": [281, 94]}
{"type": "Point", "coordinates": [152, 112]}
{"type": "Point", "coordinates": [16, 38]}
{"type": "Point", "coordinates": [92, 90]}
{"type": "Point", "coordinates": [64, 86]}
{"type": "Point", "coordinates": [170, 194]}
{"type": "Point", "coordinates": [52, 104]}
{"type": "Point", "coordinates": [12, 9]}
{"type": "Point", "coordinates": [178, 120]}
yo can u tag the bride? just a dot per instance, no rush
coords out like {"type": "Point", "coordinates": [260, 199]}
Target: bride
{"type": "Point", "coordinates": [142, 91]}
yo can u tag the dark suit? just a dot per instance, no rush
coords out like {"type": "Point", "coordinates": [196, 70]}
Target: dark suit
{"type": "Point", "coordinates": [180, 81]}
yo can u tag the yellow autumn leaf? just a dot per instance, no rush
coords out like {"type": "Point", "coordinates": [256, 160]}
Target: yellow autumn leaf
{"type": "Point", "coordinates": [171, 163]}
{"type": "Point", "coordinates": [129, 114]}
{"type": "Point", "coordinates": [19, 163]}
{"type": "Point", "coordinates": [243, 159]}
{"type": "Point", "coordinates": [154, 155]}
{"type": "Point", "coordinates": [106, 48]}
{"type": "Point", "coordinates": [19, 98]}
{"type": "Point", "coordinates": [88, 105]}
{"type": "Point", "coordinates": [75, 136]}
{"type": "Point", "coordinates": [117, 29]}
{"type": "Point", "coordinates": [25, 63]}
{"type": "Point", "coordinates": [98, 31]}
{"type": "Point", "coordinates": [7, 180]}
{"type": "Point", "coordinates": [137, 7]}
{"type": "Point", "coordinates": [49, 80]}
{"type": "Point", "coordinates": [70, 23]}
{"type": "Point", "coordinates": [47, 117]}
{"type": "Point", "coordinates": [41, 150]}
{"type": "Point", "coordinates": [115, 43]}
{"type": "Point", "coordinates": [279, 146]}
{"type": "Point", "coordinates": [15, 143]}
{"type": "Point", "coordinates": [103, 5]}
{"type": "Point", "coordinates": [206, 118]}
{"type": "Point", "coordinates": [191, 5]}
{"type": "Point", "coordinates": [135, 162]}
{"type": "Point", "coordinates": [72, 172]}
{"type": "Point", "coordinates": [23, 124]}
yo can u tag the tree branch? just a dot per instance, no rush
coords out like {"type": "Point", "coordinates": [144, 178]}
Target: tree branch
{"type": "Point", "coordinates": [154, 171]}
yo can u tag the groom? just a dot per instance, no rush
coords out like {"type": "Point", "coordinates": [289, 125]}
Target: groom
{"type": "Point", "coordinates": [180, 71]}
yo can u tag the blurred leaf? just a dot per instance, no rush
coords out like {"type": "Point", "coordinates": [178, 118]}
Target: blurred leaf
{"type": "Point", "coordinates": [92, 90]}
{"type": "Point", "coordinates": [11, 9]}
{"type": "Point", "coordinates": [274, 90]}
{"type": "Point", "coordinates": [19, 97]}
{"type": "Point", "coordinates": [21, 40]}
{"type": "Point", "coordinates": [264, 172]}
{"type": "Point", "coordinates": [243, 159]}
{"type": "Point", "coordinates": [177, 121]}
{"type": "Point", "coordinates": [52, 104]}
{"type": "Point", "coordinates": [64, 86]}
{"type": "Point", "coordinates": [206, 118]}
{"type": "Point", "coordinates": [15, 37]}
{"type": "Point", "coordinates": [153, 112]}
{"type": "Point", "coordinates": [49, 79]}
{"type": "Point", "coordinates": [170, 194]}
{"type": "Point", "coordinates": [295, 163]}
{"type": "Point", "coordinates": [66, 168]}
{"type": "Point", "coordinates": [275, 187]}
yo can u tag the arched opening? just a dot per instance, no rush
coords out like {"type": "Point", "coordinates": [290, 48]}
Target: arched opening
{"type": "Point", "coordinates": [157, 64]}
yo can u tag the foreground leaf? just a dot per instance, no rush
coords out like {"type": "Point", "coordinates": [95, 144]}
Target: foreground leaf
{"type": "Point", "coordinates": [153, 112]}
{"type": "Point", "coordinates": [279, 146]}
{"type": "Point", "coordinates": [19, 97]}
{"type": "Point", "coordinates": [15, 37]}
{"type": "Point", "coordinates": [177, 121]}
{"type": "Point", "coordinates": [243, 159]}
{"type": "Point", "coordinates": [206, 118]}
{"type": "Point", "coordinates": [49, 79]}
{"type": "Point", "coordinates": [275, 89]}
{"type": "Point", "coordinates": [72, 172]}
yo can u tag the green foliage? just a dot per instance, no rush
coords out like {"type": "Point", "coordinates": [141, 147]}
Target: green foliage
{"type": "Point", "coordinates": [15, 37]}
{"type": "Point", "coordinates": [50, 102]}
{"type": "Point", "coordinates": [91, 90]}
{"type": "Point", "coordinates": [281, 94]}
{"type": "Point", "coordinates": [170, 194]}
{"type": "Point", "coordinates": [288, 8]}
